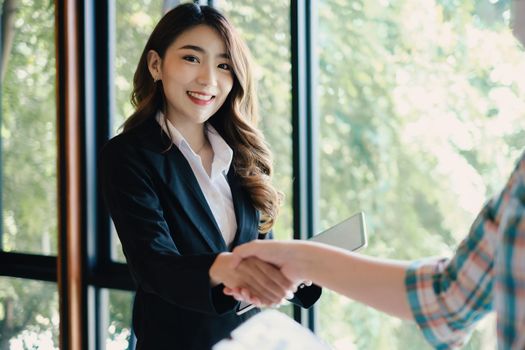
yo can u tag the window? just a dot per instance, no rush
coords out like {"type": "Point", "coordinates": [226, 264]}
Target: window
{"type": "Point", "coordinates": [28, 181]}
{"type": "Point", "coordinates": [28, 314]}
{"type": "Point", "coordinates": [265, 27]}
{"type": "Point", "coordinates": [410, 110]}
{"type": "Point", "coordinates": [119, 329]}
{"type": "Point", "coordinates": [28, 115]}
{"type": "Point", "coordinates": [410, 94]}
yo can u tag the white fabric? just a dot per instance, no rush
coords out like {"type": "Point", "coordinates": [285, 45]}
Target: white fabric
{"type": "Point", "coordinates": [215, 188]}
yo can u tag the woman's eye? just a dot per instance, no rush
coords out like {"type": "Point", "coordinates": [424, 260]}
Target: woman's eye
{"type": "Point", "coordinates": [191, 59]}
{"type": "Point", "coordinates": [224, 66]}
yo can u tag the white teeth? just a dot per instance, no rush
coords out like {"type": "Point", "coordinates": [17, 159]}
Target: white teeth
{"type": "Point", "coordinates": [200, 96]}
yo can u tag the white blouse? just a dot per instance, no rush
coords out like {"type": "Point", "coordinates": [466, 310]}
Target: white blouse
{"type": "Point", "coordinates": [215, 188]}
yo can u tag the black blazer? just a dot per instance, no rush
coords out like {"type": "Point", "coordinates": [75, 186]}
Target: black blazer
{"type": "Point", "coordinates": [170, 240]}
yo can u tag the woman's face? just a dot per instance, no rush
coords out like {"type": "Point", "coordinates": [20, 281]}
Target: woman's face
{"type": "Point", "coordinates": [196, 75]}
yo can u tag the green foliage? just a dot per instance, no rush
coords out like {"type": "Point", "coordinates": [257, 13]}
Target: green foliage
{"type": "Point", "coordinates": [120, 306]}
{"type": "Point", "coordinates": [413, 95]}
{"type": "Point", "coordinates": [265, 27]}
{"type": "Point", "coordinates": [420, 119]}
{"type": "Point", "coordinates": [416, 128]}
{"type": "Point", "coordinates": [28, 313]}
{"type": "Point", "coordinates": [29, 309]}
{"type": "Point", "coordinates": [135, 21]}
{"type": "Point", "coordinates": [29, 133]}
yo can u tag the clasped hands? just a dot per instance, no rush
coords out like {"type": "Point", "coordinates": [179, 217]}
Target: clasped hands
{"type": "Point", "coordinates": [259, 273]}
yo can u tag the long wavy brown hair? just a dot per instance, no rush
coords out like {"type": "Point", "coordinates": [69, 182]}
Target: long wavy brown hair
{"type": "Point", "coordinates": [237, 118]}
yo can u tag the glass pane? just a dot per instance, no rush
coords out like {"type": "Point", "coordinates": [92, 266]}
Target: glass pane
{"type": "Point", "coordinates": [119, 330]}
{"type": "Point", "coordinates": [28, 314]}
{"type": "Point", "coordinates": [421, 119]}
{"type": "Point", "coordinates": [265, 26]}
{"type": "Point", "coordinates": [28, 141]}
{"type": "Point", "coordinates": [135, 21]}
{"type": "Point", "coordinates": [116, 254]}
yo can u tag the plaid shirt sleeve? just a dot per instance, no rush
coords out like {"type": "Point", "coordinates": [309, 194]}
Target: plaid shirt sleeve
{"type": "Point", "coordinates": [509, 287]}
{"type": "Point", "coordinates": [448, 297]}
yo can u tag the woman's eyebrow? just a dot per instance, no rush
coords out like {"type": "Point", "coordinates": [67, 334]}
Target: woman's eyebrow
{"type": "Point", "coordinates": [201, 50]}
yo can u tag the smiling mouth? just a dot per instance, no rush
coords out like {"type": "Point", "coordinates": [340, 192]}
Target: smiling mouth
{"type": "Point", "coordinates": [200, 99]}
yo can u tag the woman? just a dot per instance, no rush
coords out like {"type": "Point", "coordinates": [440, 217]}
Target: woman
{"type": "Point", "coordinates": [188, 180]}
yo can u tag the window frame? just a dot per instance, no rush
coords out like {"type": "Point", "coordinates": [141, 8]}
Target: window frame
{"type": "Point", "coordinates": [84, 269]}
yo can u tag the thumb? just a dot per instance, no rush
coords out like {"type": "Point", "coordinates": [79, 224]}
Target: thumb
{"type": "Point", "coordinates": [246, 250]}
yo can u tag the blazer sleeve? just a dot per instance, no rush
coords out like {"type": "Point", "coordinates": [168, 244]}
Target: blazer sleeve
{"type": "Point", "coordinates": [305, 296]}
{"type": "Point", "coordinates": [152, 256]}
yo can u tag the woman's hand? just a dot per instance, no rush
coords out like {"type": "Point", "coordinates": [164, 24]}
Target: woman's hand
{"type": "Point", "coordinates": [256, 281]}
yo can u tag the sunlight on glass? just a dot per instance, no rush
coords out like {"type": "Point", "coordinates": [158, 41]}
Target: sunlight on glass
{"type": "Point", "coordinates": [135, 21]}
{"type": "Point", "coordinates": [28, 314]}
{"type": "Point", "coordinates": [31, 340]}
{"type": "Point", "coordinates": [119, 328]}
{"type": "Point", "coordinates": [28, 117]}
{"type": "Point", "coordinates": [265, 27]}
{"type": "Point", "coordinates": [421, 120]}
{"type": "Point", "coordinates": [118, 341]}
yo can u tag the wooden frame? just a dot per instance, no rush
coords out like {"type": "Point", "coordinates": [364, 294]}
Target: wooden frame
{"type": "Point", "coordinates": [69, 123]}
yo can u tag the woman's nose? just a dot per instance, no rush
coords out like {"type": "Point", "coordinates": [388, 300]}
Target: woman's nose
{"type": "Point", "coordinates": [207, 76]}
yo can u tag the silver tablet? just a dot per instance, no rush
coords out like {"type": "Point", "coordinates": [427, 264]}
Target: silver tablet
{"type": "Point", "coordinates": [349, 234]}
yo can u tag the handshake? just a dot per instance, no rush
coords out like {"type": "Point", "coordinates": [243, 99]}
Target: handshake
{"type": "Point", "coordinates": [263, 273]}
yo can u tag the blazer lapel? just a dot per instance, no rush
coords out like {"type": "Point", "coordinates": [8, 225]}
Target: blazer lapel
{"type": "Point", "coordinates": [181, 180]}
{"type": "Point", "coordinates": [185, 185]}
{"type": "Point", "coordinates": [247, 219]}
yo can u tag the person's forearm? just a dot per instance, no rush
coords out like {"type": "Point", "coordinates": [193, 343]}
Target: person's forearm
{"type": "Point", "coordinates": [377, 283]}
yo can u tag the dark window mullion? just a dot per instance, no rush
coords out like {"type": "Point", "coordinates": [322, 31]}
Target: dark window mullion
{"type": "Point", "coordinates": [304, 134]}
{"type": "Point", "coordinates": [102, 121]}
{"type": "Point", "coordinates": [99, 48]}
{"type": "Point", "coordinates": [37, 267]}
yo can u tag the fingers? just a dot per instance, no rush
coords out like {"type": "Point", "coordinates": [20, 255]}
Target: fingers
{"type": "Point", "coordinates": [260, 285]}
{"type": "Point", "coordinates": [263, 275]}
{"type": "Point", "coordinates": [242, 281]}
{"type": "Point", "coordinates": [233, 292]}
{"type": "Point", "coordinates": [277, 279]}
{"type": "Point", "coordinates": [243, 294]}
{"type": "Point", "coordinates": [240, 294]}
{"type": "Point", "coordinates": [264, 282]}
{"type": "Point", "coordinates": [251, 298]}
{"type": "Point", "coordinates": [247, 294]}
